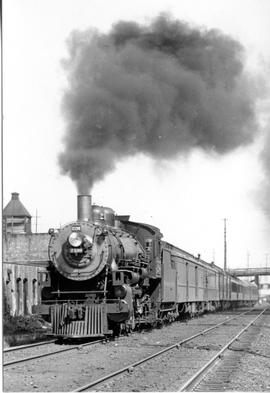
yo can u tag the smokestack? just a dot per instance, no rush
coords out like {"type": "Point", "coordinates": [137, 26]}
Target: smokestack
{"type": "Point", "coordinates": [84, 207]}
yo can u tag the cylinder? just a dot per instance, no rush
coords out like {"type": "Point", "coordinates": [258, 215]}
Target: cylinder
{"type": "Point", "coordinates": [84, 208]}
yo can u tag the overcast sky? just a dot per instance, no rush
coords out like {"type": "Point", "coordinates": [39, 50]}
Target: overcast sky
{"type": "Point", "coordinates": [187, 198]}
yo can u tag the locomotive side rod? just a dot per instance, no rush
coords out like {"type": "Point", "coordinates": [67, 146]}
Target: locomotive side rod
{"type": "Point", "coordinates": [197, 378]}
{"type": "Point", "coordinates": [177, 345]}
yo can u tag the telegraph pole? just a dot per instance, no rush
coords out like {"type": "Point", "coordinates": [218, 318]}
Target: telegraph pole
{"type": "Point", "coordinates": [36, 217]}
{"type": "Point", "coordinates": [214, 255]}
{"type": "Point", "coordinates": [248, 255]}
{"type": "Point", "coordinates": [225, 244]}
{"type": "Point", "coordinates": [266, 260]}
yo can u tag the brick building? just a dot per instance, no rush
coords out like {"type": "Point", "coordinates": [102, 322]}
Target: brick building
{"type": "Point", "coordinates": [24, 264]}
{"type": "Point", "coordinates": [25, 258]}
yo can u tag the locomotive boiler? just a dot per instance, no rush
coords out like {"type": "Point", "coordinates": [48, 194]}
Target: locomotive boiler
{"type": "Point", "coordinates": [106, 272]}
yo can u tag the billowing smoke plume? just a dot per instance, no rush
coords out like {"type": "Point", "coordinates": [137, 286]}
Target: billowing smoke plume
{"type": "Point", "coordinates": [159, 89]}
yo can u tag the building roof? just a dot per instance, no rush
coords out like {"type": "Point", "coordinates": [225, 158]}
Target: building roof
{"type": "Point", "coordinates": [15, 207]}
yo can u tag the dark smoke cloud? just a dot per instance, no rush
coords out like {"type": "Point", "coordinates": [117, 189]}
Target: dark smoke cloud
{"type": "Point", "coordinates": [159, 89]}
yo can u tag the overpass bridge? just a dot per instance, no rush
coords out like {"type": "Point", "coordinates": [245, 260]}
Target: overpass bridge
{"type": "Point", "coordinates": [255, 272]}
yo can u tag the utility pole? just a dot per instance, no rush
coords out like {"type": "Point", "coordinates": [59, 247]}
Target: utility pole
{"type": "Point", "coordinates": [225, 244]}
{"type": "Point", "coordinates": [248, 255]}
{"type": "Point", "coordinates": [266, 260]}
{"type": "Point", "coordinates": [36, 217]}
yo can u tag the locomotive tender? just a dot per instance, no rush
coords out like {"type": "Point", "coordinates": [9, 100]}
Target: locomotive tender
{"type": "Point", "coordinates": [106, 271]}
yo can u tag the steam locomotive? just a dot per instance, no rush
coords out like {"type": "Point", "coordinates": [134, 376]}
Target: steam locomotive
{"type": "Point", "coordinates": [106, 272]}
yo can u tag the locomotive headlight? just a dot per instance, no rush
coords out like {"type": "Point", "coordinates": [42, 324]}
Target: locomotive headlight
{"type": "Point", "coordinates": [75, 239]}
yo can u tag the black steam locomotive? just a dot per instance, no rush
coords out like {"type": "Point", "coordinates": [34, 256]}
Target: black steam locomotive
{"type": "Point", "coordinates": [107, 272]}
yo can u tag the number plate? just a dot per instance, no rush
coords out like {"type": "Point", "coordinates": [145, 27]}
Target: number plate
{"type": "Point", "coordinates": [75, 250]}
{"type": "Point", "coordinates": [76, 228]}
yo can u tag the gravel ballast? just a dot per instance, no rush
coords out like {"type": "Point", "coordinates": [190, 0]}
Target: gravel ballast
{"type": "Point", "coordinates": [68, 371]}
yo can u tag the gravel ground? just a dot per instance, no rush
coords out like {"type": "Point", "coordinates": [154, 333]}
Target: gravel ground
{"type": "Point", "coordinates": [253, 373]}
{"type": "Point", "coordinates": [172, 370]}
{"type": "Point", "coordinates": [76, 368]}
{"type": "Point", "coordinates": [246, 367]}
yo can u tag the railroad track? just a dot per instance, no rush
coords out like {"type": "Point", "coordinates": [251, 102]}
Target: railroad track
{"type": "Point", "coordinates": [26, 346]}
{"type": "Point", "coordinates": [43, 355]}
{"type": "Point", "coordinates": [218, 380]}
{"type": "Point", "coordinates": [132, 366]}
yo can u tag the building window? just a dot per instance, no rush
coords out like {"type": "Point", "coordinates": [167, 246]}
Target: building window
{"type": "Point", "coordinates": [18, 296]}
{"type": "Point", "coordinates": [34, 291]}
{"type": "Point", "coordinates": [25, 296]}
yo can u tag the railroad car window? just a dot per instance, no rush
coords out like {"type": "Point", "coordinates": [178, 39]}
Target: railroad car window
{"type": "Point", "coordinates": [148, 245]}
{"type": "Point", "coordinates": [187, 280]}
{"type": "Point", "coordinates": [155, 247]}
{"type": "Point", "coordinates": [158, 247]}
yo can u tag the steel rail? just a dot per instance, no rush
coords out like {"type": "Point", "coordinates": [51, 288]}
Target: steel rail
{"type": "Point", "coordinates": [169, 348]}
{"type": "Point", "coordinates": [17, 348]}
{"type": "Point", "coordinates": [197, 378]}
{"type": "Point", "coordinates": [51, 353]}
